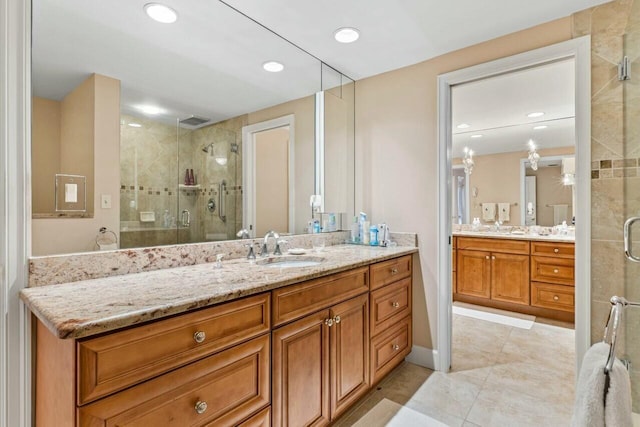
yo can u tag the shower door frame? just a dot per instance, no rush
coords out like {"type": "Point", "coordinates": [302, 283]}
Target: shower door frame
{"type": "Point", "coordinates": [580, 50]}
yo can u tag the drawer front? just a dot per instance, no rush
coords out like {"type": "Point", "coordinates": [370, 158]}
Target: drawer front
{"type": "Point", "coordinates": [387, 272]}
{"type": "Point", "coordinates": [508, 246]}
{"type": "Point", "coordinates": [261, 419]}
{"type": "Point", "coordinates": [553, 270]}
{"type": "Point", "coordinates": [390, 348]}
{"type": "Point", "coordinates": [556, 297]}
{"type": "Point", "coordinates": [551, 249]}
{"type": "Point", "coordinates": [116, 361]}
{"type": "Point", "coordinates": [390, 304]}
{"type": "Point", "coordinates": [222, 389]}
{"type": "Point", "coordinates": [296, 301]}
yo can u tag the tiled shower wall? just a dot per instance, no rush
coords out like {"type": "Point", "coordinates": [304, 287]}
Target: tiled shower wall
{"type": "Point", "coordinates": [615, 181]}
{"type": "Point", "coordinates": [151, 168]}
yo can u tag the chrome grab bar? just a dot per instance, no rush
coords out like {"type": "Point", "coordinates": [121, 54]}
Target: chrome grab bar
{"type": "Point", "coordinates": [222, 204]}
{"type": "Point", "coordinates": [627, 239]}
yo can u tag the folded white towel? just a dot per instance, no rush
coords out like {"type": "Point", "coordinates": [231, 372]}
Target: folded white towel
{"type": "Point", "coordinates": [504, 210]}
{"type": "Point", "coordinates": [589, 405]}
{"type": "Point", "coordinates": [617, 407]}
{"type": "Point", "coordinates": [489, 212]}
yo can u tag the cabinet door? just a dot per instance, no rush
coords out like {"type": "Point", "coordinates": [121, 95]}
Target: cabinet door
{"type": "Point", "coordinates": [301, 372]}
{"type": "Point", "coordinates": [474, 273]}
{"type": "Point", "coordinates": [510, 278]}
{"type": "Point", "coordinates": [349, 338]}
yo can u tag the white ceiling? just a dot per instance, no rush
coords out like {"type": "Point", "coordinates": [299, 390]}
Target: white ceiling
{"type": "Point", "coordinates": [209, 62]}
{"type": "Point", "coordinates": [497, 108]}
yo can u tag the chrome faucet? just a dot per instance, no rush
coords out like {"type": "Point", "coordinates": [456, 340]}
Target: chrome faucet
{"type": "Point", "coordinates": [498, 224]}
{"type": "Point", "coordinates": [265, 251]}
{"type": "Point", "coordinates": [185, 218]}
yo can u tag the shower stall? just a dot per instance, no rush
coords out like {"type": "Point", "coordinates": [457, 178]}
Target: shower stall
{"type": "Point", "coordinates": [180, 183]}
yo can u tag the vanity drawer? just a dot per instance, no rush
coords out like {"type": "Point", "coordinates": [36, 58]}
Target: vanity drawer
{"type": "Point", "coordinates": [562, 250]}
{"type": "Point", "coordinates": [390, 304]}
{"type": "Point", "coordinates": [556, 297]}
{"type": "Point", "coordinates": [295, 301]}
{"type": "Point", "coordinates": [261, 419]}
{"type": "Point", "coordinates": [387, 272]}
{"type": "Point", "coordinates": [508, 246]}
{"type": "Point", "coordinates": [232, 384]}
{"type": "Point", "coordinates": [113, 362]}
{"type": "Point", "coordinates": [553, 270]}
{"type": "Point", "coordinates": [390, 348]}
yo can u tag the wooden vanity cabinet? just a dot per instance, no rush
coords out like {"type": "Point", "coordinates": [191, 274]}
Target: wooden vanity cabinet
{"type": "Point", "coordinates": [321, 364]}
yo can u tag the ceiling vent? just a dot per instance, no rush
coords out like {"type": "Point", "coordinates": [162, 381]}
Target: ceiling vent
{"type": "Point", "coordinates": [194, 121]}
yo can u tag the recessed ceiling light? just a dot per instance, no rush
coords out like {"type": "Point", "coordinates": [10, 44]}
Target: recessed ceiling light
{"type": "Point", "coordinates": [273, 66]}
{"type": "Point", "coordinates": [539, 127]}
{"type": "Point", "coordinates": [478, 135]}
{"type": "Point", "coordinates": [346, 35]}
{"type": "Point", "coordinates": [536, 114]}
{"type": "Point", "coordinates": [463, 126]}
{"type": "Point", "coordinates": [149, 109]}
{"type": "Point", "coordinates": [161, 13]}
{"type": "Point", "coordinates": [135, 125]}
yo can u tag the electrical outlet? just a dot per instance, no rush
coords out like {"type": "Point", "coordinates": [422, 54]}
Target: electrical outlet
{"type": "Point", "coordinates": [106, 201]}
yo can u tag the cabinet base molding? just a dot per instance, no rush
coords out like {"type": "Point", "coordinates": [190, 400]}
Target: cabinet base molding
{"type": "Point", "coordinates": [518, 308]}
{"type": "Point", "coordinates": [423, 356]}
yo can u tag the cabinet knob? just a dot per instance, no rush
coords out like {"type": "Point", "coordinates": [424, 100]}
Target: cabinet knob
{"type": "Point", "coordinates": [556, 250]}
{"type": "Point", "coordinates": [395, 347]}
{"type": "Point", "coordinates": [328, 322]}
{"type": "Point", "coordinates": [493, 257]}
{"type": "Point", "coordinates": [199, 337]}
{"type": "Point", "coordinates": [336, 319]}
{"type": "Point", "coordinates": [394, 270]}
{"type": "Point", "coordinates": [555, 270]}
{"type": "Point", "coordinates": [486, 256]}
{"type": "Point", "coordinates": [201, 407]}
{"type": "Point", "coordinates": [556, 297]}
{"type": "Point", "coordinates": [395, 304]}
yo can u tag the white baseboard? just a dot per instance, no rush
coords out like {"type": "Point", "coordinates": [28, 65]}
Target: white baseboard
{"type": "Point", "coordinates": [423, 356]}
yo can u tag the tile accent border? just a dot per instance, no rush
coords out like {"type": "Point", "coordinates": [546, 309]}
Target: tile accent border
{"type": "Point", "coordinates": [615, 168]}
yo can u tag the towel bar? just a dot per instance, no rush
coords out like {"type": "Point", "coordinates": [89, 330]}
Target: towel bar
{"type": "Point", "coordinates": [618, 304]}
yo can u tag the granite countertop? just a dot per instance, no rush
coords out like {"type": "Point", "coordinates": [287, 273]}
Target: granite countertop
{"type": "Point", "coordinates": [526, 236]}
{"type": "Point", "coordinates": [84, 308]}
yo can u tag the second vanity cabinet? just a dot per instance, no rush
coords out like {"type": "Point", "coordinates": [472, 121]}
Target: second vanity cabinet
{"type": "Point", "coordinates": [301, 354]}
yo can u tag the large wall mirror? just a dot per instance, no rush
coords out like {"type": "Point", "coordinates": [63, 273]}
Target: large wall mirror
{"type": "Point", "coordinates": [141, 128]}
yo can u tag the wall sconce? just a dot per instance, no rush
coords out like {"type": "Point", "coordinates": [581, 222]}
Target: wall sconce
{"type": "Point", "coordinates": [467, 160]}
{"type": "Point", "coordinates": [533, 155]}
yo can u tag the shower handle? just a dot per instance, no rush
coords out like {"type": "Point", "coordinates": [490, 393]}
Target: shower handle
{"type": "Point", "coordinates": [628, 249]}
{"type": "Point", "coordinates": [185, 218]}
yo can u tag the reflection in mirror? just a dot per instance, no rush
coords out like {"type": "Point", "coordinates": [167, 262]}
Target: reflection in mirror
{"type": "Point", "coordinates": [162, 123]}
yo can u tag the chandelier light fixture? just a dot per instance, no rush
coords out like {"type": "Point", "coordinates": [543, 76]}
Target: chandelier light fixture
{"type": "Point", "coordinates": [467, 160]}
{"type": "Point", "coordinates": [533, 155]}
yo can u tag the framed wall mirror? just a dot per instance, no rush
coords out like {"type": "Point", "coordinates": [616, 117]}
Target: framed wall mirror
{"type": "Point", "coordinates": [152, 114]}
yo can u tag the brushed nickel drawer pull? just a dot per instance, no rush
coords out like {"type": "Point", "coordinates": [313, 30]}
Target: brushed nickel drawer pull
{"type": "Point", "coordinates": [555, 270]}
{"type": "Point", "coordinates": [556, 297]}
{"type": "Point", "coordinates": [199, 337]}
{"type": "Point", "coordinates": [396, 347]}
{"type": "Point", "coordinates": [328, 322]}
{"type": "Point", "coordinates": [336, 319]}
{"type": "Point", "coordinates": [201, 407]}
{"type": "Point", "coordinates": [486, 256]}
{"type": "Point", "coordinates": [395, 304]}
{"type": "Point", "coordinates": [493, 257]}
{"type": "Point", "coordinates": [394, 270]}
{"type": "Point", "coordinates": [556, 250]}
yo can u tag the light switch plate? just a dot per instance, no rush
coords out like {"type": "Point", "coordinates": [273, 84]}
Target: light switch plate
{"type": "Point", "coordinates": [105, 201]}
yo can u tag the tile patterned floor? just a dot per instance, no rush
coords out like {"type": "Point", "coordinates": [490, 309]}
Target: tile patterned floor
{"type": "Point", "coordinates": [501, 376]}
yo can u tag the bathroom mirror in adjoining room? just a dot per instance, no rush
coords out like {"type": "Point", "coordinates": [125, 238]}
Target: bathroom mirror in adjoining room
{"type": "Point", "coordinates": [514, 144]}
{"type": "Point", "coordinates": [149, 117]}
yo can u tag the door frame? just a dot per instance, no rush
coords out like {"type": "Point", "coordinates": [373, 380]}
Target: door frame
{"type": "Point", "coordinates": [580, 50]}
{"type": "Point", "coordinates": [248, 170]}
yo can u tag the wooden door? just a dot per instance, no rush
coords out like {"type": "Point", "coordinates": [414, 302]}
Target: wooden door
{"type": "Point", "coordinates": [473, 271]}
{"type": "Point", "coordinates": [301, 372]}
{"type": "Point", "coordinates": [349, 348]}
{"type": "Point", "coordinates": [510, 278]}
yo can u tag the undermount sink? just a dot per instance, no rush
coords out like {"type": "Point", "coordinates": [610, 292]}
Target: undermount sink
{"type": "Point", "coordinates": [290, 262]}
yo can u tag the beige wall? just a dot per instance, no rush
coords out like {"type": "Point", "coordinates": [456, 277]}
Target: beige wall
{"type": "Point", "coordinates": [304, 111]}
{"type": "Point", "coordinates": [497, 178]}
{"type": "Point", "coordinates": [45, 153]}
{"type": "Point", "coordinates": [65, 235]}
{"type": "Point", "coordinates": [551, 191]}
{"type": "Point", "coordinates": [272, 180]}
{"type": "Point", "coordinates": [396, 151]}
